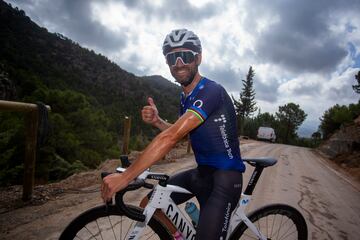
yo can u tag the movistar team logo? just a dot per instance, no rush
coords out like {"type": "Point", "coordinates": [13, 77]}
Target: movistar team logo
{"type": "Point", "coordinates": [198, 103]}
{"type": "Point", "coordinates": [221, 119]}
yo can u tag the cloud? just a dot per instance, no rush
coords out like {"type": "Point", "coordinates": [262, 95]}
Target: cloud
{"type": "Point", "coordinates": [230, 79]}
{"type": "Point", "coordinates": [265, 92]}
{"type": "Point", "coordinates": [267, 81]}
{"type": "Point", "coordinates": [339, 86]}
{"type": "Point", "coordinates": [316, 93]}
{"type": "Point", "coordinates": [304, 52]}
{"type": "Point", "coordinates": [315, 57]}
{"type": "Point", "coordinates": [301, 40]}
{"type": "Point", "coordinates": [306, 85]}
{"type": "Point", "coordinates": [265, 85]}
{"type": "Point", "coordinates": [74, 19]}
{"type": "Point", "coordinates": [177, 11]}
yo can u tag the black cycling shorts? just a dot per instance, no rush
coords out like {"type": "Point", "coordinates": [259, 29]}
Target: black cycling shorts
{"type": "Point", "coordinates": [217, 191]}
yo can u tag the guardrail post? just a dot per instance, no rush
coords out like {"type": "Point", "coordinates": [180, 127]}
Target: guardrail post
{"type": "Point", "coordinates": [31, 123]}
{"type": "Point", "coordinates": [126, 136]}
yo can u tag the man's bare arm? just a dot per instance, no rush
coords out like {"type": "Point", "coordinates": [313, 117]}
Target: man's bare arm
{"type": "Point", "coordinates": [154, 152]}
{"type": "Point", "coordinates": [162, 124]}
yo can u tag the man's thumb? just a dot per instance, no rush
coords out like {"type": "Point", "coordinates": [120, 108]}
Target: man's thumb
{"type": "Point", "coordinates": [151, 102]}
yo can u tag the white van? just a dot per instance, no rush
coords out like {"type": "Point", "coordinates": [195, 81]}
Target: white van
{"type": "Point", "coordinates": [266, 133]}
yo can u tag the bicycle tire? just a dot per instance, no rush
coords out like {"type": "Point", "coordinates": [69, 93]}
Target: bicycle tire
{"type": "Point", "coordinates": [275, 221]}
{"type": "Point", "coordinates": [107, 222]}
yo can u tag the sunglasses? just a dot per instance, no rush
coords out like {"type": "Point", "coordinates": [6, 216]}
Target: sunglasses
{"type": "Point", "coordinates": [186, 57]}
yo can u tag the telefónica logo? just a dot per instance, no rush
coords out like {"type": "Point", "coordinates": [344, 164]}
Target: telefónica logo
{"type": "Point", "coordinates": [222, 118]}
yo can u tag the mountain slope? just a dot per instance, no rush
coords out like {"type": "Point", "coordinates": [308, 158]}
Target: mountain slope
{"type": "Point", "coordinates": [344, 145]}
{"type": "Point", "coordinates": [61, 63]}
{"type": "Point", "coordinates": [89, 96]}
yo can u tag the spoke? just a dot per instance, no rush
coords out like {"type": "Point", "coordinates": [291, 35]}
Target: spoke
{"type": "Point", "coordinates": [78, 237]}
{"type": "Point", "coordinates": [149, 237]}
{"type": "Point", "coordinates": [258, 223]}
{"type": "Point", "coordinates": [112, 227]}
{"type": "Point", "coordinates": [93, 236]}
{"type": "Point", "coordinates": [99, 229]}
{"type": "Point", "coordinates": [131, 226]}
{"type": "Point", "coordinates": [290, 234]}
{"type": "Point", "coordinates": [272, 228]}
{"type": "Point", "coordinates": [278, 231]}
{"type": "Point", "coordinates": [286, 234]}
{"type": "Point", "coordinates": [120, 223]}
{"type": "Point", "coordinates": [259, 226]}
{"type": "Point", "coordinates": [267, 225]}
{"type": "Point", "coordinates": [248, 235]}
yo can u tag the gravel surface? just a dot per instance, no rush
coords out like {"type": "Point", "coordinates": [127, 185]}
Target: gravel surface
{"type": "Point", "coordinates": [327, 195]}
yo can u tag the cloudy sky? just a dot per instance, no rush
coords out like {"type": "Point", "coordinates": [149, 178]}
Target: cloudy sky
{"type": "Point", "coordinates": [306, 52]}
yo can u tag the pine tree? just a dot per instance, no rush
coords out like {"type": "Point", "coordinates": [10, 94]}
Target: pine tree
{"type": "Point", "coordinates": [357, 87]}
{"type": "Point", "coordinates": [291, 116]}
{"type": "Point", "coordinates": [245, 106]}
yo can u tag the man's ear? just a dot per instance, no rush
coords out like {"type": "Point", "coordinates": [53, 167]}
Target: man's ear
{"type": "Point", "coordinates": [198, 59]}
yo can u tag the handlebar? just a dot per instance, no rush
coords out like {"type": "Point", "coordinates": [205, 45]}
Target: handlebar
{"type": "Point", "coordinates": [134, 185]}
{"type": "Point", "coordinates": [119, 197]}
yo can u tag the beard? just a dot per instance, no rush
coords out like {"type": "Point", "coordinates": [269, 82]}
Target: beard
{"type": "Point", "coordinates": [185, 80]}
{"type": "Point", "coordinates": [189, 80]}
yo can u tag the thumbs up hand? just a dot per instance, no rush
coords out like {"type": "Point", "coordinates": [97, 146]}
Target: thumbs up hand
{"type": "Point", "coordinates": [150, 113]}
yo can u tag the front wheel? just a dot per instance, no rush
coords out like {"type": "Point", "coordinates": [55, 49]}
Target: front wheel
{"type": "Point", "coordinates": [109, 223]}
{"type": "Point", "coordinates": [276, 221]}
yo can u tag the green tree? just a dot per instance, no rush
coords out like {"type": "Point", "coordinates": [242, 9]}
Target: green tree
{"type": "Point", "coordinates": [337, 115]}
{"type": "Point", "coordinates": [246, 104]}
{"type": "Point", "coordinates": [11, 147]}
{"type": "Point", "coordinates": [316, 137]}
{"type": "Point", "coordinates": [354, 108]}
{"type": "Point", "coordinates": [357, 87]}
{"type": "Point", "coordinates": [88, 94]}
{"type": "Point", "coordinates": [291, 116]}
{"type": "Point", "coordinates": [266, 119]}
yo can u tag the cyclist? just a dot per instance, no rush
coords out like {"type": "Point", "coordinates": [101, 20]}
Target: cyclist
{"type": "Point", "coordinates": [208, 115]}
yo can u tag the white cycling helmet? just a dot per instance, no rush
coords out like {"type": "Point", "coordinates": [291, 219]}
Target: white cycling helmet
{"type": "Point", "coordinates": [181, 38]}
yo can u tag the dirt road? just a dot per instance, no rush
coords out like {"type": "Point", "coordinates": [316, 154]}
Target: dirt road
{"type": "Point", "coordinates": [328, 198]}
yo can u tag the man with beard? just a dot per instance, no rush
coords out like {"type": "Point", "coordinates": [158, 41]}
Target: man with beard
{"type": "Point", "coordinates": [208, 115]}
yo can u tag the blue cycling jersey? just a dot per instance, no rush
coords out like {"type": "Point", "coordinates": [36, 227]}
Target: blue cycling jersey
{"type": "Point", "coordinates": [215, 142]}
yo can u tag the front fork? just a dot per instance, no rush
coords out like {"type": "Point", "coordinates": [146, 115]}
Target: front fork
{"type": "Point", "coordinates": [140, 226]}
{"type": "Point", "coordinates": [239, 216]}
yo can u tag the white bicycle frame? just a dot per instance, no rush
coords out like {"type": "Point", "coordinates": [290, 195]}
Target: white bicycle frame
{"type": "Point", "coordinates": [161, 199]}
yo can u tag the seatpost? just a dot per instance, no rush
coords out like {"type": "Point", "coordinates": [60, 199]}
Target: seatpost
{"type": "Point", "coordinates": [253, 180]}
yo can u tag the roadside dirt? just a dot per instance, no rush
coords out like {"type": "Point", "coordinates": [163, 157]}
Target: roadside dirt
{"type": "Point", "coordinates": [10, 197]}
{"type": "Point", "coordinates": [328, 197]}
{"type": "Point", "coordinates": [54, 205]}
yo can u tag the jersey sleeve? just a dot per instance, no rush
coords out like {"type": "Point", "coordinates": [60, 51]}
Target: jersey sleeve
{"type": "Point", "coordinates": [206, 101]}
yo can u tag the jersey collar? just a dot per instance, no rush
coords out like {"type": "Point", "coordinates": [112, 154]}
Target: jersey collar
{"type": "Point", "coordinates": [193, 93]}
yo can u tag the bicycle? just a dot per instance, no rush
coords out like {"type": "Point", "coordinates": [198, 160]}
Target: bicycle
{"type": "Point", "coordinates": [275, 221]}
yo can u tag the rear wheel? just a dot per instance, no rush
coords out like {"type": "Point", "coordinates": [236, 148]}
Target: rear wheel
{"type": "Point", "coordinates": [277, 221]}
{"type": "Point", "coordinates": [109, 223]}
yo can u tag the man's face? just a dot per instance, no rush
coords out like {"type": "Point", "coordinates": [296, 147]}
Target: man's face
{"type": "Point", "coordinates": [184, 73]}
